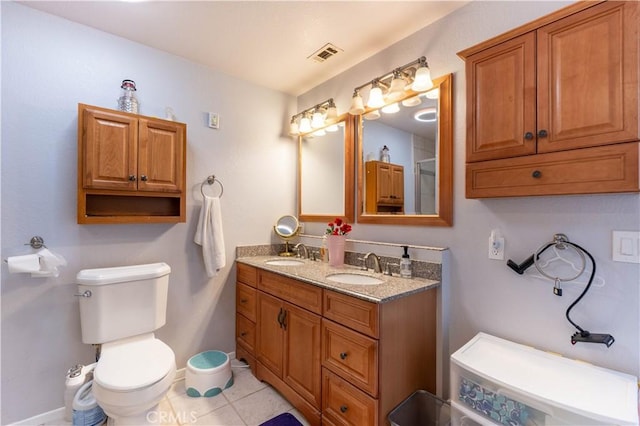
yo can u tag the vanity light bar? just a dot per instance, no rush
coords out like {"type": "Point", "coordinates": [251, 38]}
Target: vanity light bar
{"type": "Point", "coordinates": [416, 72]}
{"type": "Point", "coordinates": [314, 118]}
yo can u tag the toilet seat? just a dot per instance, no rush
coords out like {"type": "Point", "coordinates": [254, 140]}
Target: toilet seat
{"type": "Point", "coordinates": [133, 364]}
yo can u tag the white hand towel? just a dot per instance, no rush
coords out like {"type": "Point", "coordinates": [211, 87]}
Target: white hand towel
{"type": "Point", "coordinates": [25, 263]}
{"type": "Point", "coordinates": [209, 235]}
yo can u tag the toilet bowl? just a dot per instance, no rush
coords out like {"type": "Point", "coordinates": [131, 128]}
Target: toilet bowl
{"type": "Point", "coordinates": [120, 308]}
{"type": "Point", "coordinates": [131, 378]}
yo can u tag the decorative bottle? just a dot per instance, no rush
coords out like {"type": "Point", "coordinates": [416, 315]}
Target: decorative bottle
{"type": "Point", "coordinates": [128, 101]}
{"type": "Point", "coordinates": [384, 156]}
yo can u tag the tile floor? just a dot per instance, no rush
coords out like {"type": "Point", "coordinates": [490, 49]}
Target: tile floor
{"type": "Point", "coordinates": [248, 402]}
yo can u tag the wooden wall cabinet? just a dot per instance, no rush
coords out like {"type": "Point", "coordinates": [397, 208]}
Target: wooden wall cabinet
{"type": "Point", "coordinates": [131, 168]}
{"type": "Point", "coordinates": [338, 359]}
{"type": "Point", "coordinates": [384, 190]}
{"type": "Point", "coordinates": [549, 93]}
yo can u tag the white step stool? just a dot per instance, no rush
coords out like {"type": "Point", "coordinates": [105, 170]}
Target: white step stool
{"type": "Point", "coordinates": [208, 373]}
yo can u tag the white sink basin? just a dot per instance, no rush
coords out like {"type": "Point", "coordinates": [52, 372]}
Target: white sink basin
{"type": "Point", "coordinates": [284, 262]}
{"type": "Point", "coordinates": [351, 278]}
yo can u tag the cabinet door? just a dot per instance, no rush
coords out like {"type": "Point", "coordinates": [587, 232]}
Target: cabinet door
{"type": "Point", "coordinates": [269, 333]}
{"type": "Point", "coordinates": [161, 155]}
{"type": "Point", "coordinates": [383, 177]}
{"type": "Point", "coordinates": [588, 78]}
{"type": "Point", "coordinates": [110, 145]}
{"type": "Point", "coordinates": [501, 100]}
{"type": "Point", "coordinates": [302, 353]}
{"type": "Point", "coordinates": [397, 184]}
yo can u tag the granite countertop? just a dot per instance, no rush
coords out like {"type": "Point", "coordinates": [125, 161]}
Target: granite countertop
{"type": "Point", "coordinates": [315, 273]}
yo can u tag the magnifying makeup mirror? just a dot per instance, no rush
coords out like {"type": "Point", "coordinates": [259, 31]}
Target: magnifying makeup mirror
{"type": "Point", "coordinates": [287, 227]}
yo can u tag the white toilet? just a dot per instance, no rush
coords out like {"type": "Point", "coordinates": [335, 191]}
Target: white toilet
{"type": "Point", "coordinates": [120, 309]}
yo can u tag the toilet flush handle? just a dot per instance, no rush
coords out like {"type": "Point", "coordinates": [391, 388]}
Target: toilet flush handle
{"type": "Point", "coordinates": [87, 293]}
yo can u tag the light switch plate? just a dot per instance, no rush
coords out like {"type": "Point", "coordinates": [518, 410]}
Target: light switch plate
{"type": "Point", "coordinates": [626, 246]}
{"type": "Point", "coordinates": [214, 120]}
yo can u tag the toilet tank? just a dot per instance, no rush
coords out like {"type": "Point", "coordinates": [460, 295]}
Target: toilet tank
{"type": "Point", "coordinates": [124, 301]}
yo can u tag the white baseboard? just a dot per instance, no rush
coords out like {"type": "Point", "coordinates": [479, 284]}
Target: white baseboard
{"type": "Point", "coordinates": [52, 417]}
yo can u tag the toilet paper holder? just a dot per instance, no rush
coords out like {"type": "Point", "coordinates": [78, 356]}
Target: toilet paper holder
{"type": "Point", "coordinates": [36, 242]}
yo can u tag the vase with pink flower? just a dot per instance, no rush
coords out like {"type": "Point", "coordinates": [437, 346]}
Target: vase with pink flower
{"type": "Point", "coordinates": [337, 232]}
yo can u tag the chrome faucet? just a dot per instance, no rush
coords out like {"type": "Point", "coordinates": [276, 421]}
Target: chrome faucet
{"type": "Point", "coordinates": [305, 251]}
{"type": "Point", "coordinates": [376, 262]}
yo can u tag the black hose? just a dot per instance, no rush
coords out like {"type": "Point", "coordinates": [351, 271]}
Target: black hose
{"type": "Point", "coordinates": [584, 333]}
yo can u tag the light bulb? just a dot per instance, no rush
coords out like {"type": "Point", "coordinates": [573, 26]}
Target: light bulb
{"type": "Point", "coordinates": [332, 128]}
{"type": "Point", "coordinates": [422, 80]}
{"type": "Point", "coordinates": [396, 90]}
{"type": "Point", "coordinates": [317, 120]}
{"type": "Point", "coordinates": [375, 97]}
{"type": "Point", "coordinates": [433, 94]}
{"type": "Point", "coordinates": [305, 124]}
{"type": "Point", "coordinates": [332, 114]}
{"type": "Point", "coordinates": [391, 108]}
{"type": "Point", "coordinates": [411, 102]}
{"type": "Point", "coordinates": [357, 105]}
{"type": "Point", "coordinates": [293, 128]}
{"type": "Point", "coordinates": [373, 115]}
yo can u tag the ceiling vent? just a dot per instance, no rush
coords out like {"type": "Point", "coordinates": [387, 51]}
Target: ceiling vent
{"type": "Point", "coordinates": [325, 52]}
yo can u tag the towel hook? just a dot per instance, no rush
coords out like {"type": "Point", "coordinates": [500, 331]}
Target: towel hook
{"type": "Point", "coordinates": [210, 180]}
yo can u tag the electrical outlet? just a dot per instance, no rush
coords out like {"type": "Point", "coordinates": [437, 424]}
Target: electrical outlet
{"type": "Point", "coordinates": [496, 246]}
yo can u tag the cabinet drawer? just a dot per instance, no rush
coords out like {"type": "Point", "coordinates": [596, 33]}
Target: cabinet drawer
{"type": "Point", "coordinates": [304, 295]}
{"type": "Point", "coordinates": [354, 313]}
{"type": "Point", "coordinates": [246, 301]}
{"type": "Point", "coordinates": [343, 404]}
{"type": "Point", "coordinates": [247, 274]}
{"type": "Point", "coordinates": [351, 355]}
{"type": "Point", "coordinates": [612, 168]}
{"type": "Point", "coordinates": [246, 332]}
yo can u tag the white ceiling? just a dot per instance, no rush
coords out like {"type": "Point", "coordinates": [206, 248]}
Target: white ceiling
{"type": "Point", "coordinates": [264, 42]}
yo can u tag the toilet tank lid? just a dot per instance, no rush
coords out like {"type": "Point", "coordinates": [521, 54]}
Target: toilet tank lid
{"type": "Point", "coordinates": [118, 274]}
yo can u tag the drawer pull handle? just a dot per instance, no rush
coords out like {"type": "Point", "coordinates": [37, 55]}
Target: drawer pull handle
{"type": "Point", "coordinates": [343, 355]}
{"type": "Point", "coordinates": [537, 174]}
{"type": "Point", "coordinates": [542, 134]}
{"type": "Point", "coordinates": [528, 136]}
{"type": "Point", "coordinates": [343, 408]}
{"type": "Point", "coordinates": [244, 333]}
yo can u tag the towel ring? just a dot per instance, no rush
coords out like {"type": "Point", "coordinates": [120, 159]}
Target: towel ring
{"type": "Point", "coordinates": [210, 180]}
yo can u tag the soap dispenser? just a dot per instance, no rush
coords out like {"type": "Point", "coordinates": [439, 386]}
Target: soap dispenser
{"type": "Point", "coordinates": [405, 264]}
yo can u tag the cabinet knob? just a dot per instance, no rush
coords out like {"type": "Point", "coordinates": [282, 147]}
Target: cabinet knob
{"type": "Point", "coordinates": [132, 178]}
{"type": "Point", "coordinates": [536, 174]}
{"type": "Point", "coordinates": [244, 333]}
{"type": "Point", "coordinates": [144, 178]}
{"type": "Point", "coordinates": [343, 408]}
{"type": "Point", "coordinates": [528, 136]}
{"type": "Point", "coordinates": [343, 355]}
{"type": "Point", "coordinates": [243, 300]}
{"type": "Point", "coordinates": [542, 134]}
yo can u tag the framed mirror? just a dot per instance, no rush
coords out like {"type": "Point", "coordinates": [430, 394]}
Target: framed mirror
{"type": "Point", "coordinates": [411, 181]}
{"type": "Point", "coordinates": [326, 173]}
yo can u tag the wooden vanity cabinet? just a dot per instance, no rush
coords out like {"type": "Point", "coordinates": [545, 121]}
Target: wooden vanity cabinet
{"type": "Point", "coordinates": [246, 314]}
{"type": "Point", "coordinates": [384, 190]}
{"type": "Point", "coordinates": [288, 340]}
{"type": "Point", "coordinates": [374, 355]}
{"type": "Point", "coordinates": [131, 168]}
{"type": "Point", "coordinates": [564, 84]}
{"type": "Point", "coordinates": [337, 359]}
